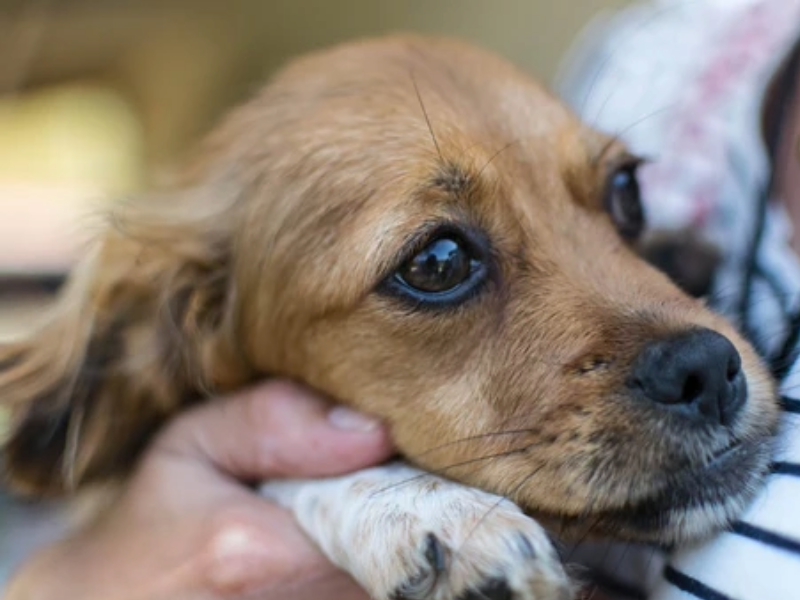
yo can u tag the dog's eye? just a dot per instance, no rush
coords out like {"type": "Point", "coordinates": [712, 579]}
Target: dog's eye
{"type": "Point", "coordinates": [440, 266]}
{"type": "Point", "coordinates": [447, 271]}
{"type": "Point", "coordinates": [624, 203]}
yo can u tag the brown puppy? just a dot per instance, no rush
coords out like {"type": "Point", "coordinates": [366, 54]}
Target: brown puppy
{"type": "Point", "coordinates": [419, 230]}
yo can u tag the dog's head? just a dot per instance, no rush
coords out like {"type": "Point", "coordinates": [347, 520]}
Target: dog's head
{"type": "Point", "coordinates": [419, 230]}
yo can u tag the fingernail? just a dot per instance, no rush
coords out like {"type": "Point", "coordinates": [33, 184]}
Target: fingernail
{"type": "Point", "coordinates": [350, 420]}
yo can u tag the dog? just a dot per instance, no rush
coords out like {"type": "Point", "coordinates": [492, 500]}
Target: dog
{"type": "Point", "coordinates": [419, 230]}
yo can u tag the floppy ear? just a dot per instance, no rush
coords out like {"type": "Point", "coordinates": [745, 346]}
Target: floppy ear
{"type": "Point", "coordinates": [142, 328]}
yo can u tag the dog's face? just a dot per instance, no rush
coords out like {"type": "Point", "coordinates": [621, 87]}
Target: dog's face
{"type": "Point", "coordinates": [418, 230]}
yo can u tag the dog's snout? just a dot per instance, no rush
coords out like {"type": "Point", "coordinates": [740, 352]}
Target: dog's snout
{"type": "Point", "coordinates": [698, 372]}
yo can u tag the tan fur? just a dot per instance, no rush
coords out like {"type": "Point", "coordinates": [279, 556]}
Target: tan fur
{"type": "Point", "coordinates": [265, 257]}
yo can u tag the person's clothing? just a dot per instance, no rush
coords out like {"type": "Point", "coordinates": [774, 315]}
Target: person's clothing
{"type": "Point", "coordinates": [683, 83]}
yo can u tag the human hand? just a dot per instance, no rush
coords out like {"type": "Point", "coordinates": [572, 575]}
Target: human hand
{"type": "Point", "coordinates": [186, 528]}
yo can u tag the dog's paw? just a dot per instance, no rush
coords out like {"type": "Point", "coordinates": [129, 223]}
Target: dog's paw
{"type": "Point", "coordinates": [407, 535]}
{"type": "Point", "coordinates": [474, 547]}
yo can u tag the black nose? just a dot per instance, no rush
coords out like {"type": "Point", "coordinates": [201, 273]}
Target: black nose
{"type": "Point", "coordinates": [698, 372]}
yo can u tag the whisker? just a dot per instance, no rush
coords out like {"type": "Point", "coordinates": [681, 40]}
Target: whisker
{"type": "Point", "coordinates": [643, 25]}
{"type": "Point", "coordinates": [479, 436]}
{"type": "Point", "coordinates": [594, 589]}
{"type": "Point", "coordinates": [649, 115]}
{"type": "Point", "coordinates": [453, 466]}
{"type": "Point", "coordinates": [495, 506]}
{"type": "Point", "coordinates": [621, 559]}
{"type": "Point", "coordinates": [790, 388]}
{"type": "Point", "coordinates": [427, 118]}
{"type": "Point", "coordinates": [495, 155]}
{"type": "Point", "coordinates": [582, 540]}
{"type": "Point", "coordinates": [598, 157]}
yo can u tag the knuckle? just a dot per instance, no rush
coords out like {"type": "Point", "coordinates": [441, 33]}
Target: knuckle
{"type": "Point", "coordinates": [235, 555]}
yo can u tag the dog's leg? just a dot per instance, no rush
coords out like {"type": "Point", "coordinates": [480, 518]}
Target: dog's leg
{"type": "Point", "coordinates": [405, 534]}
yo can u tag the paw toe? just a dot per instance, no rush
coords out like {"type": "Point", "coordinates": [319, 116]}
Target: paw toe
{"type": "Point", "coordinates": [435, 553]}
{"type": "Point", "coordinates": [421, 585]}
{"type": "Point", "coordinates": [525, 546]}
{"type": "Point", "coordinates": [494, 589]}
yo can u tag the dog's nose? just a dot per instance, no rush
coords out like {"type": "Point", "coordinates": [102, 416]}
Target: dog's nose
{"type": "Point", "coordinates": [698, 372]}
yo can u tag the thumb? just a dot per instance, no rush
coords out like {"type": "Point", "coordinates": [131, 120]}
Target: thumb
{"type": "Point", "coordinates": [277, 429]}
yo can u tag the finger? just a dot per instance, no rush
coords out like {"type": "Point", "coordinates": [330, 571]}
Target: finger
{"type": "Point", "coordinates": [274, 430]}
{"type": "Point", "coordinates": [260, 549]}
{"type": "Point", "coordinates": [255, 549]}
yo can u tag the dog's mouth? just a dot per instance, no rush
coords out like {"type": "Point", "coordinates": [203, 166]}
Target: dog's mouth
{"type": "Point", "coordinates": [724, 455]}
{"type": "Point", "coordinates": [693, 503]}
{"type": "Point", "coordinates": [683, 487]}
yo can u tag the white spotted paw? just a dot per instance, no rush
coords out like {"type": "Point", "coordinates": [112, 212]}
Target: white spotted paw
{"type": "Point", "coordinates": [407, 535]}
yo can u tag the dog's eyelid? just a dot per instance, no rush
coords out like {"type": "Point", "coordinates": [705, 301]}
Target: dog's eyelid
{"type": "Point", "coordinates": [615, 155]}
{"type": "Point", "coordinates": [608, 152]}
{"type": "Point", "coordinates": [475, 240]}
{"type": "Point", "coordinates": [624, 161]}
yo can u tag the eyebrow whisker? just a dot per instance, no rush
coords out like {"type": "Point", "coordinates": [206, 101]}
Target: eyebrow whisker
{"type": "Point", "coordinates": [495, 155]}
{"type": "Point", "coordinates": [427, 118]}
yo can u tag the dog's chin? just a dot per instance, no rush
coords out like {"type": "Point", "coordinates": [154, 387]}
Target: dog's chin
{"type": "Point", "coordinates": [694, 504]}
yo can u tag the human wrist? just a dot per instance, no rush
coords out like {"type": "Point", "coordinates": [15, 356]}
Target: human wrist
{"type": "Point", "coordinates": [60, 571]}
{"type": "Point", "coordinates": [37, 579]}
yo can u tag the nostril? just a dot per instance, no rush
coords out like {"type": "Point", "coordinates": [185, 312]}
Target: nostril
{"type": "Point", "coordinates": [636, 383]}
{"type": "Point", "coordinates": [734, 368]}
{"type": "Point", "coordinates": [693, 388]}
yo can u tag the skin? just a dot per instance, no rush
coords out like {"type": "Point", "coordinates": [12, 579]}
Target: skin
{"type": "Point", "coordinates": [184, 527]}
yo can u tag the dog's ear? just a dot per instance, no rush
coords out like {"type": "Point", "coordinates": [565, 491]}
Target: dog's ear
{"type": "Point", "coordinates": [142, 327]}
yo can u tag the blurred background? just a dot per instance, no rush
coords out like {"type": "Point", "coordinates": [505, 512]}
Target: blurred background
{"type": "Point", "coordinates": [99, 98]}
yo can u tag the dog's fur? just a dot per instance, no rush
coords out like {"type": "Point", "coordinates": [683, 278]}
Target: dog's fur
{"type": "Point", "coordinates": [274, 255]}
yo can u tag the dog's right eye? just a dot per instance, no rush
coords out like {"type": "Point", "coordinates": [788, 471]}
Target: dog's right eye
{"type": "Point", "coordinates": [445, 271]}
{"type": "Point", "coordinates": [624, 203]}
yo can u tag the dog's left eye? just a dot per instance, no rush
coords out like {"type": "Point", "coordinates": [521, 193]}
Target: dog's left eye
{"type": "Point", "coordinates": [444, 272]}
{"type": "Point", "coordinates": [440, 266]}
{"type": "Point", "coordinates": [624, 203]}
